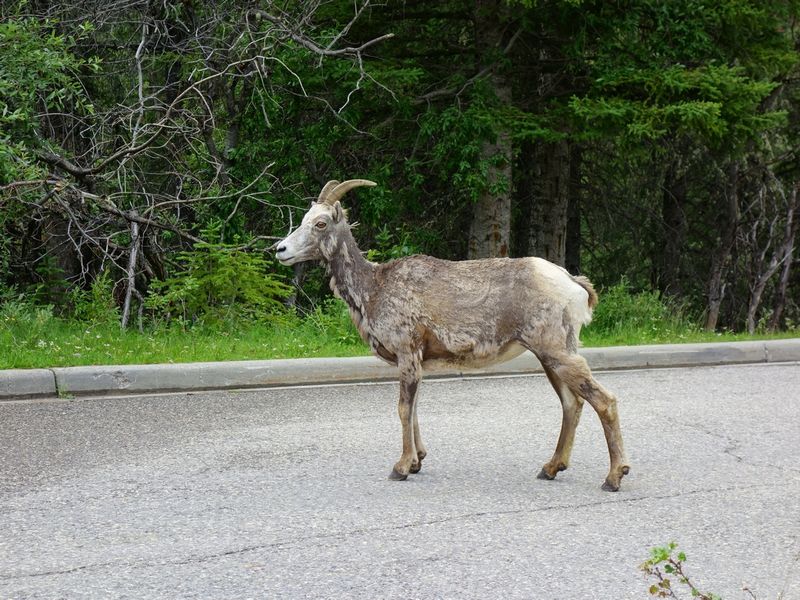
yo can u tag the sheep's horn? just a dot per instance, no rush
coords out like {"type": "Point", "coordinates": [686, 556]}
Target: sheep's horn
{"type": "Point", "coordinates": [341, 189]}
{"type": "Point", "coordinates": [323, 195]}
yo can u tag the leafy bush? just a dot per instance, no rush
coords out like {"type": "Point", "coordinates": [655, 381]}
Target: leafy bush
{"type": "Point", "coordinates": [390, 245]}
{"type": "Point", "coordinates": [39, 68]}
{"type": "Point", "coordinates": [623, 316]}
{"type": "Point", "coordinates": [97, 305]}
{"type": "Point", "coordinates": [219, 283]}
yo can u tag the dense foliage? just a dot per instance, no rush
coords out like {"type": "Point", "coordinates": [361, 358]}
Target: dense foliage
{"type": "Point", "coordinates": [154, 151]}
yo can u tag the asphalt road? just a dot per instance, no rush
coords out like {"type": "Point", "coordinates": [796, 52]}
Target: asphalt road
{"type": "Point", "coordinates": [283, 493]}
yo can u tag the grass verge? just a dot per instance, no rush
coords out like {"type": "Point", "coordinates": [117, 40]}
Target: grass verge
{"type": "Point", "coordinates": [32, 336]}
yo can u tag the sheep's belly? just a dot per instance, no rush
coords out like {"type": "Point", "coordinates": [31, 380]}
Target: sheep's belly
{"type": "Point", "coordinates": [474, 361]}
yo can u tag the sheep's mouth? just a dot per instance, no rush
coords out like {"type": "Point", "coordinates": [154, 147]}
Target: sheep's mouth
{"type": "Point", "coordinates": [285, 260]}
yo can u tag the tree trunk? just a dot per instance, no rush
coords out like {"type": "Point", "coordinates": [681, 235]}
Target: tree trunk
{"type": "Point", "coordinates": [720, 259]}
{"type": "Point", "coordinates": [63, 264]}
{"type": "Point", "coordinates": [775, 322]}
{"type": "Point", "coordinates": [573, 236]}
{"type": "Point", "coordinates": [131, 273]}
{"type": "Point", "coordinates": [490, 229]}
{"type": "Point", "coordinates": [783, 253]}
{"type": "Point", "coordinates": [674, 220]}
{"type": "Point", "coordinates": [550, 202]}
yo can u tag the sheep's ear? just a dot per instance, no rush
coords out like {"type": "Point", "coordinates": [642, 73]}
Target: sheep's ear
{"type": "Point", "coordinates": [338, 212]}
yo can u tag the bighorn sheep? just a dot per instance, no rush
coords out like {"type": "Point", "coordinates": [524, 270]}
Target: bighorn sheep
{"type": "Point", "coordinates": [422, 313]}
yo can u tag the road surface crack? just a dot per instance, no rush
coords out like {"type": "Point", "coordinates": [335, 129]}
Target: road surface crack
{"type": "Point", "coordinates": [339, 535]}
{"type": "Point", "coordinates": [732, 447]}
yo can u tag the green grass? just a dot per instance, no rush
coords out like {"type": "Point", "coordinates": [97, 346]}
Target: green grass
{"type": "Point", "coordinates": [628, 319]}
{"type": "Point", "coordinates": [33, 337]}
{"type": "Point", "coordinates": [68, 345]}
{"type": "Point", "coordinates": [590, 339]}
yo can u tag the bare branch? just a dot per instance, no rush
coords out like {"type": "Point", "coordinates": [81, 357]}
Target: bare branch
{"type": "Point", "coordinates": [455, 90]}
{"type": "Point", "coordinates": [310, 44]}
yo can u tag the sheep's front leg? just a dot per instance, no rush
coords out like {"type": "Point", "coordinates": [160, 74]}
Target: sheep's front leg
{"type": "Point", "coordinates": [410, 375]}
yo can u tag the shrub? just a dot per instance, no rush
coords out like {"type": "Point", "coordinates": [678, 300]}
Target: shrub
{"type": "Point", "coordinates": [219, 283]}
{"type": "Point", "coordinates": [625, 316]}
{"type": "Point", "coordinates": [392, 244]}
{"type": "Point", "coordinates": [97, 305]}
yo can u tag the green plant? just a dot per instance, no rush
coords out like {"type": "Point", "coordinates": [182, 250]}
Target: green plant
{"type": "Point", "coordinates": [96, 306]}
{"type": "Point", "coordinates": [219, 283]}
{"type": "Point", "coordinates": [39, 68]}
{"type": "Point", "coordinates": [623, 316]}
{"type": "Point", "coordinates": [332, 319]}
{"type": "Point", "coordinates": [32, 336]}
{"type": "Point", "coordinates": [392, 244]}
{"type": "Point", "coordinates": [22, 319]}
{"type": "Point", "coordinates": [666, 566]}
{"type": "Point", "coordinates": [50, 284]}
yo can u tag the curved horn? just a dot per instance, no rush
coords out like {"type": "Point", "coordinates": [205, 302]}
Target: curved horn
{"type": "Point", "coordinates": [344, 187]}
{"type": "Point", "coordinates": [323, 195]}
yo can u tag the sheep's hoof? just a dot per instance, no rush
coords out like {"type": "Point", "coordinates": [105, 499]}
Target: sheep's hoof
{"type": "Point", "coordinates": [609, 487]}
{"type": "Point", "coordinates": [545, 475]}
{"type": "Point", "coordinates": [415, 468]}
{"type": "Point", "coordinates": [395, 475]}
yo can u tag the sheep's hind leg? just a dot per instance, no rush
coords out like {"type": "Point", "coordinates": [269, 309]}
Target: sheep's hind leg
{"type": "Point", "coordinates": [571, 406]}
{"type": "Point", "coordinates": [420, 447]}
{"type": "Point", "coordinates": [571, 368]}
{"type": "Point", "coordinates": [410, 375]}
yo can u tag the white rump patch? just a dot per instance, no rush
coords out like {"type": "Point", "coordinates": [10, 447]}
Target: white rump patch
{"type": "Point", "coordinates": [558, 281]}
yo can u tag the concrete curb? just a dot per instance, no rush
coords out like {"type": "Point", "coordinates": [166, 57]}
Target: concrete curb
{"type": "Point", "coordinates": [142, 379]}
{"type": "Point", "coordinates": [26, 383]}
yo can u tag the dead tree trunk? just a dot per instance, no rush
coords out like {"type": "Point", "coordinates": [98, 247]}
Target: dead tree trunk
{"type": "Point", "coordinates": [775, 322]}
{"type": "Point", "coordinates": [763, 269]}
{"type": "Point", "coordinates": [131, 272]}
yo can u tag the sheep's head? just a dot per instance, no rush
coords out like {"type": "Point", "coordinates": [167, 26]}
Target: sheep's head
{"type": "Point", "coordinates": [318, 234]}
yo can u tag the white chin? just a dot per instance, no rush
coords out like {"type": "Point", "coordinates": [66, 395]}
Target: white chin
{"type": "Point", "coordinates": [286, 261]}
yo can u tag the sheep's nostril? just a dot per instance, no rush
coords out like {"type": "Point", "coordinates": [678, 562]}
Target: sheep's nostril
{"type": "Point", "coordinates": [281, 249]}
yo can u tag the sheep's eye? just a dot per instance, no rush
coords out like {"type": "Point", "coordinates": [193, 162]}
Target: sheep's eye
{"type": "Point", "coordinates": [320, 224]}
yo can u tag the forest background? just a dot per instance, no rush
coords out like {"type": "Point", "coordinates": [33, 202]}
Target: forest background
{"type": "Point", "coordinates": [151, 152]}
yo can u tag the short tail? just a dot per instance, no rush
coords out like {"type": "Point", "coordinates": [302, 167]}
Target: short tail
{"type": "Point", "coordinates": [587, 285]}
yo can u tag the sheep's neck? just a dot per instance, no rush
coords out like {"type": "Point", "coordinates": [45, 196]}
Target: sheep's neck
{"type": "Point", "coordinates": [351, 275]}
